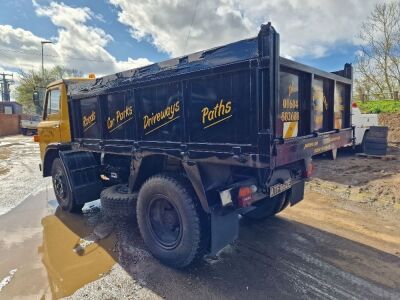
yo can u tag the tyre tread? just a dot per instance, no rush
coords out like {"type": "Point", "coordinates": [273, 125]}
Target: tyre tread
{"type": "Point", "coordinates": [199, 245]}
{"type": "Point", "coordinates": [116, 204]}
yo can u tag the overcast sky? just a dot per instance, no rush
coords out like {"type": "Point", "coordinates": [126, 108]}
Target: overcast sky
{"type": "Point", "coordinates": [105, 36]}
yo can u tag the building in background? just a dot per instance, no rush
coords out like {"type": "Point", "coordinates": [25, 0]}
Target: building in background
{"type": "Point", "coordinates": [10, 108]}
{"type": "Point", "coordinates": [10, 117]}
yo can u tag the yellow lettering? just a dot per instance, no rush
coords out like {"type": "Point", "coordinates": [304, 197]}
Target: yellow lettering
{"type": "Point", "coordinates": [167, 113]}
{"type": "Point", "coordinates": [211, 115]}
{"type": "Point", "coordinates": [171, 111]}
{"type": "Point", "coordinates": [146, 122]}
{"type": "Point", "coordinates": [110, 123]}
{"type": "Point", "coordinates": [228, 107]}
{"type": "Point", "coordinates": [88, 120]}
{"type": "Point", "coordinates": [177, 108]}
{"type": "Point", "coordinates": [205, 113]}
{"type": "Point", "coordinates": [217, 114]}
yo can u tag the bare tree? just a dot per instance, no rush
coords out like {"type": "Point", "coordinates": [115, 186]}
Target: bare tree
{"type": "Point", "coordinates": [378, 61]}
{"type": "Point", "coordinates": [32, 80]}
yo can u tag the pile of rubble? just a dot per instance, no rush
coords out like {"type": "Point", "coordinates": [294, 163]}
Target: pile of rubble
{"type": "Point", "coordinates": [392, 120]}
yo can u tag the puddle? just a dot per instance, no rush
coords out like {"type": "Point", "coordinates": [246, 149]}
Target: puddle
{"type": "Point", "coordinates": [55, 252]}
{"type": "Point", "coordinates": [8, 144]}
{"type": "Point", "coordinates": [5, 153]}
{"type": "Point", "coordinates": [7, 279]}
{"type": "Point", "coordinates": [4, 171]}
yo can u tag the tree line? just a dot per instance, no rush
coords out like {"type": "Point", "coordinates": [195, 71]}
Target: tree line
{"type": "Point", "coordinates": [378, 58]}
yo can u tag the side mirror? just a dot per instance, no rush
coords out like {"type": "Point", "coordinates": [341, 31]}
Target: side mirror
{"type": "Point", "coordinates": [35, 98]}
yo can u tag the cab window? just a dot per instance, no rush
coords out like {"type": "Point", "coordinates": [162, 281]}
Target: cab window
{"type": "Point", "coordinates": [52, 102]}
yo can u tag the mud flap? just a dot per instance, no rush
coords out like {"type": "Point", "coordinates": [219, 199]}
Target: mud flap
{"type": "Point", "coordinates": [83, 175]}
{"type": "Point", "coordinates": [296, 193]}
{"type": "Point", "coordinates": [224, 229]}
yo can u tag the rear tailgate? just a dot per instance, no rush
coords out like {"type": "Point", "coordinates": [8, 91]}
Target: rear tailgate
{"type": "Point", "coordinates": [313, 112]}
{"type": "Point", "coordinates": [291, 150]}
{"type": "Point", "coordinates": [311, 101]}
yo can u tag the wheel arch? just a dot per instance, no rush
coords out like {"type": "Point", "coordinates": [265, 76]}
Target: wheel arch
{"type": "Point", "coordinates": [143, 167]}
{"type": "Point", "coordinates": [52, 152]}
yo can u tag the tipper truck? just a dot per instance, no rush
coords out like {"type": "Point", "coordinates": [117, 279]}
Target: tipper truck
{"type": "Point", "coordinates": [190, 144]}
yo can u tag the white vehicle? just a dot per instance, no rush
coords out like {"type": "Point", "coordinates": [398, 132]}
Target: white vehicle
{"type": "Point", "coordinates": [362, 123]}
{"type": "Point", "coordinates": [29, 125]}
{"type": "Point", "coordinates": [368, 135]}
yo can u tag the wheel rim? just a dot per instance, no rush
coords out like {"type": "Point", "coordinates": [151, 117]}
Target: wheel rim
{"type": "Point", "coordinates": [164, 222]}
{"type": "Point", "coordinates": [59, 186]}
{"type": "Point", "coordinates": [122, 189]}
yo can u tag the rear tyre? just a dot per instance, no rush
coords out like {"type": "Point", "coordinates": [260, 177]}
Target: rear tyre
{"type": "Point", "coordinates": [62, 189]}
{"type": "Point", "coordinates": [170, 220]}
{"type": "Point", "coordinates": [267, 208]}
{"type": "Point", "coordinates": [116, 201]}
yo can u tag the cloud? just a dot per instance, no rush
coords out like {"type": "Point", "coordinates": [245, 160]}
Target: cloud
{"type": "Point", "coordinates": [307, 27]}
{"type": "Point", "coordinates": [77, 45]}
{"type": "Point", "coordinates": [167, 23]}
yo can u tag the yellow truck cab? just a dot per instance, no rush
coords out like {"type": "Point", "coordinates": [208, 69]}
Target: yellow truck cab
{"type": "Point", "coordinates": [55, 127]}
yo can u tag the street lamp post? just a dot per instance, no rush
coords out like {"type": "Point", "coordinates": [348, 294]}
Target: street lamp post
{"type": "Point", "coordinates": [44, 42]}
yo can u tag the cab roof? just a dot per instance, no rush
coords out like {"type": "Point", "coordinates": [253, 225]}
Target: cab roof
{"type": "Point", "coordinates": [68, 81]}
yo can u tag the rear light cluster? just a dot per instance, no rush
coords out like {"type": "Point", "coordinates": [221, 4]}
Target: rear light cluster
{"type": "Point", "coordinates": [245, 195]}
{"type": "Point", "coordinates": [238, 197]}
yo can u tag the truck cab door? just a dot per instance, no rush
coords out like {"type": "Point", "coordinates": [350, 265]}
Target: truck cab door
{"type": "Point", "coordinates": [49, 129]}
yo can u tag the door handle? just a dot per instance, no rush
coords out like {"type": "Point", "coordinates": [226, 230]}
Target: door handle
{"type": "Point", "coordinates": [56, 126]}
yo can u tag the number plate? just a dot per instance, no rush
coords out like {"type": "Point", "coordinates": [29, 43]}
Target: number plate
{"type": "Point", "coordinates": [279, 188]}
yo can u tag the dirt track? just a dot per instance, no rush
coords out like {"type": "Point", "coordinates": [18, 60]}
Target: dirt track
{"type": "Point", "coordinates": [318, 249]}
{"type": "Point", "coordinates": [372, 181]}
{"type": "Point", "coordinates": [19, 170]}
{"type": "Point", "coordinates": [324, 247]}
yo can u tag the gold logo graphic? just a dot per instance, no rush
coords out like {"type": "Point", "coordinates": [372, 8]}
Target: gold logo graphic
{"type": "Point", "coordinates": [291, 89]}
{"type": "Point", "coordinates": [220, 112]}
{"type": "Point", "coordinates": [121, 117]}
{"type": "Point", "coordinates": [164, 117]}
{"type": "Point", "coordinates": [89, 120]}
{"type": "Point", "coordinates": [290, 106]}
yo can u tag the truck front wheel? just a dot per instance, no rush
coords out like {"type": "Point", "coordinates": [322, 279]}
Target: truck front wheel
{"type": "Point", "coordinates": [61, 188]}
{"type": "Point", "coordinates": [170, 220]}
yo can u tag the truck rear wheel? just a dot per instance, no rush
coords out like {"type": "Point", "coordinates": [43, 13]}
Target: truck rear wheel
{"type": "Point", "coordinates": [116, 201]}
{"type": "Point", "coordinates": [61, 188]}
{"type": "Point", "coordinates": [171, 221]}
{"type": "Point", "coordinates": [267, 208]}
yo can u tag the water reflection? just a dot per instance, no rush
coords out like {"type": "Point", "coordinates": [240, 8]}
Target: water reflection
{"type": "Point", "coordinates": [73, 252]}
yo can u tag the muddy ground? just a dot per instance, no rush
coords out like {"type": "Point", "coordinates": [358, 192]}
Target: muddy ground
{"type": "Point", "coordinates": [392, 121]}
{"type": "Point", "coordinates": [19, 170]}
{"type": "Point", "coordinates": [339, 243]}
{"type": "Point", "coordinates": [372, 181]}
